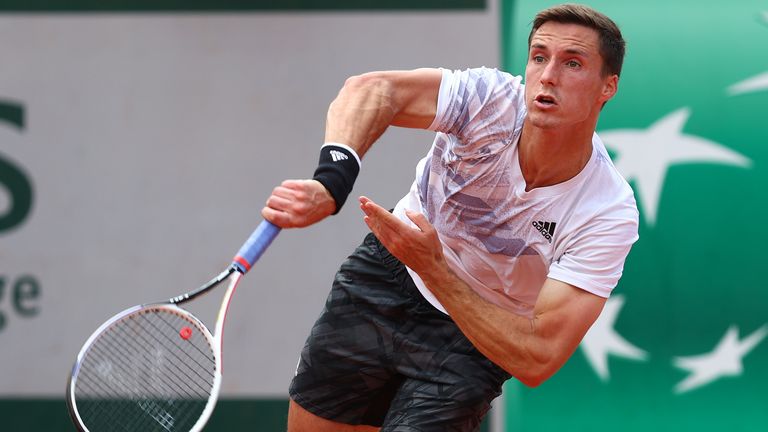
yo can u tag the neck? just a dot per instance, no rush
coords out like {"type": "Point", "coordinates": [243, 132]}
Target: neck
{"type": "Point", "coordinates": [552, 156]}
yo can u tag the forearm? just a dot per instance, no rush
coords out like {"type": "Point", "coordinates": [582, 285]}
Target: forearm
{"type": "Point", "coordinates": [518, 344]}
{"type": "Point", "coordinates": [529, 349]}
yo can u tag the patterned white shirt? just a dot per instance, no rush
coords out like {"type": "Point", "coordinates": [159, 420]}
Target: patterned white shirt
{"type": "Point", "coordinates": [502, 240]}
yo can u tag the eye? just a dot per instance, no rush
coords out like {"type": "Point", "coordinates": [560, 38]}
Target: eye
{"type": "Point", "coordinates": [573, 64]}
{"type": "Point", "coordinates": [538, 59]}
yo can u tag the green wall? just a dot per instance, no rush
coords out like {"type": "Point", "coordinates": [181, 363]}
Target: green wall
{"type": "Point", "coordinates": [683, 345]}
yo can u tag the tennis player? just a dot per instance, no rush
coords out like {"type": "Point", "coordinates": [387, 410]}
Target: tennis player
{"type": "Point", "coordinates": [499, 258]}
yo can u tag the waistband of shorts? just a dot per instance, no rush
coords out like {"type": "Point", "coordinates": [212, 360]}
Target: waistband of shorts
{"type": "Point", "coordinates": [399, 271]}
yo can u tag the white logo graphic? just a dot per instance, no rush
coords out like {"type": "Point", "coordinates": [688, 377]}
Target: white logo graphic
{"type": "Point", "coordinates": [724, 360]}
{"type": "Point", "coordinates": [645, 155]}
{"type": "Point", "coordinates": [337, 156]}
{"type": "Point", "coordinates": [756, 83]}
{"type": "Point", "coordinates": [602, 340]}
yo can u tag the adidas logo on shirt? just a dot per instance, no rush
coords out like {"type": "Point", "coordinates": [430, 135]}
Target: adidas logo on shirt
{"type": "Point", "coordinates": [547, 229]}
{"type": "Point", "coordinates": [337, 155]}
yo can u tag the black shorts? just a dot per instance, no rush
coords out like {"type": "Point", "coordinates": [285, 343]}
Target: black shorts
{"type": "Point", "coordinates": [381, 355]}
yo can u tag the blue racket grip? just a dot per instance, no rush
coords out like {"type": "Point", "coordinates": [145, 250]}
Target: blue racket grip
{"type": "Point", "coordinates": [255, 246]}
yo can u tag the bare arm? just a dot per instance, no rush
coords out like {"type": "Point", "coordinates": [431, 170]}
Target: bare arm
{"type": "Point", "coordinates": [368, 104]}
{"type": "Point", "coordinates": [364, 108]}
{"type": "Point", "coordinates": [531, 350]}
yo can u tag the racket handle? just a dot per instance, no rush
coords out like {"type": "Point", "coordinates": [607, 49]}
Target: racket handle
{"type": "Point", "coordinates": [255, 246]}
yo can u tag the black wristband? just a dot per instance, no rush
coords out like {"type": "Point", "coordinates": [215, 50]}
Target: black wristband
{"type": "Point", "coordinates": [337, 170]}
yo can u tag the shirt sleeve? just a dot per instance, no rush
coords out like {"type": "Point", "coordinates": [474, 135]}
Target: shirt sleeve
{"type": "Point", "coordinates": [479, 109]}
{"type": "Point", "coordinates": [594, 261]}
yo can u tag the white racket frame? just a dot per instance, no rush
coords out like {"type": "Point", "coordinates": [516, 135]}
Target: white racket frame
{"type": "Point", "coordinates": [215, 340]}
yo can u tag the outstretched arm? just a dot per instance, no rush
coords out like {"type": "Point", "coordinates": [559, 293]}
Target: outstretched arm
{"type": "Point", "coordinates": [531, 350]}
{"type": "Point", "coordinates": [364, 108]}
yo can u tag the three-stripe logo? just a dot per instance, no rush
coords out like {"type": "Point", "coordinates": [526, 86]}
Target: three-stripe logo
{"type": "Point", "coordinates": [547, 229]}
{"type": "Point", "coordinates": [337, 155]}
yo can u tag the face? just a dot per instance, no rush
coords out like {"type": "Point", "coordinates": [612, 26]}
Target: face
{"type": "Point", "coordinates": [565, 86]}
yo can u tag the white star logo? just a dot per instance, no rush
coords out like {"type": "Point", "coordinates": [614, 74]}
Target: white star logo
{"type": "Point", "coordinates": [756, 83]}
{"type": "Point", "coordinates": [724, 360]}
{"type": "Point", "coordinates": [602, 339]}
{"type": "Point", "coordinates": [645, 155]}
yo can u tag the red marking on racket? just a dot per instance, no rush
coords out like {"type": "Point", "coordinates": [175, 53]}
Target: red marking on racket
{"type": "Point", "coordinates": [185, 333]}
{"type": "Point", "coordinates": [243, 262]}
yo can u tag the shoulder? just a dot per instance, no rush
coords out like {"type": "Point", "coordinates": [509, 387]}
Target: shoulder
{"type": "Point", "coordinates": [482, 80]}
{"type": "Point", "coordinates": [607, 177]}
{"type": "Point", "coordinates": [606, 203]}
{"type": "Point", "coordinates": [479, 104]}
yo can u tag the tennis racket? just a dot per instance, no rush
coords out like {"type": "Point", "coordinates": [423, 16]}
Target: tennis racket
{"type": "Point", "coordinates": [156, 367]}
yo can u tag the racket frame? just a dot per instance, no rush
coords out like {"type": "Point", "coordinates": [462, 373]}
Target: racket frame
{"type": "Point", "coordinates": [246, 257]}
{"type": "Point", "coordinates": [215, 339]}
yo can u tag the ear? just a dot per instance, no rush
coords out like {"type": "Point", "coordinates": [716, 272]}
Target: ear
{"type": "Point", "coordinates": [610, 87]}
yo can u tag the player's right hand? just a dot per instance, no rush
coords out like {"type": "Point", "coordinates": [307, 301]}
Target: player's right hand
{"type": "Point", "coordinates": [298, 203]}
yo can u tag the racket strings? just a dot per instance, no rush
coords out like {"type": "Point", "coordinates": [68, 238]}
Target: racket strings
{"type": "Point", "coordinates": [167, 389]}
{"type": "Point", "coordinates": [119, 351]}
{"type": "Point", "coordinates": [203, 359]}
{"type": "Point", "coordinates": [179, 354]}
{"type": "Point", "coordinates": [140, 374]}
{"type": "Point", "coordinates": [150, 406]}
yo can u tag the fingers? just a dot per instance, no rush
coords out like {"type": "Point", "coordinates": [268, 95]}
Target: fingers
{"type": "Point", "coordinates": [417, 247]}
{"type": "Point", "coordinates": [371, 209]}
{"type": "Point", "coordinates": [420, 220]}
{"type": "Point", "coordinates": [390, 230]}
{"type": "Point", "coordinates": [378, 218]}
{"type": "Point", "coordinates": [278, 218]}
{"type": "Point", "coordinates": [298, 203]}
{"type": "Point", "coordinates": [285, 196]}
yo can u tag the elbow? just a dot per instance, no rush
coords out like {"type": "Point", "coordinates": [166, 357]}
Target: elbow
{"type": "Point", "coordinates": [368, 82]}
{"type": "Point", "coordinates": [373, 90]}
{"type": "Point", "coordinates": [537, 369]}
{"type": "Point", "coordinates": [533, 381]}
{"type": "Point", "coordinates": [534, 378]}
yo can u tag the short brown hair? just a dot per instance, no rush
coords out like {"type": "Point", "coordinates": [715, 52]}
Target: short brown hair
{"type": "Point", "coordinates": [612, 45]}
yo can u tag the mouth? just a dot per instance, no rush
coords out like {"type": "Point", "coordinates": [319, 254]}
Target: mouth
{"type": "Point", "coordinates": [545, 100]}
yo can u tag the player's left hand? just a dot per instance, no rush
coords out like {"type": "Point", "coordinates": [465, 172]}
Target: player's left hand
{"type": "Point", "coordinates": [418, 248]}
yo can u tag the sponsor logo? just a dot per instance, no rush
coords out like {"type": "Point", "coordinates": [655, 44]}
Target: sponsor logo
{"type": "Point", "coordinates": [13, 180]}
{"type": "Point", "coordinates": [338, 156]}
{"type": "Point", "coordinates": [547, 229]}
{"type": "Point", "coordinates": [19, 294]}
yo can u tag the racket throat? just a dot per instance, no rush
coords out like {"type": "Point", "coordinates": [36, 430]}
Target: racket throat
{"type": "Point", "coordinates": [183, 298]}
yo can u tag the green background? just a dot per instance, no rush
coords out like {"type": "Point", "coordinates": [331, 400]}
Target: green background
{"type": "Point", "coordinates": [696, 271]}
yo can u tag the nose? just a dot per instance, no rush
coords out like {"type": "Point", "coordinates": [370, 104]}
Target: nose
{"type": "Point", "coordinates": [550, 73]}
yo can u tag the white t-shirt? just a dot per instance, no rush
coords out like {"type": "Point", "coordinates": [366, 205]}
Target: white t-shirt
{"type": "Point", "coordinates": [501, 240]}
